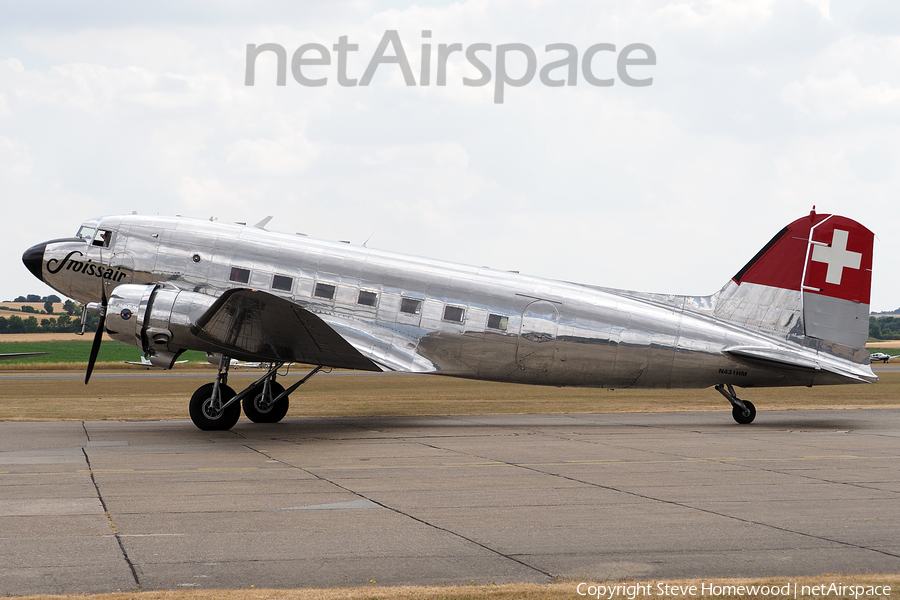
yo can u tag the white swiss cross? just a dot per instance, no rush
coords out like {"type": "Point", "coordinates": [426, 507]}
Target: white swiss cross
{"type": "Point", "coordinates": [837, 257]}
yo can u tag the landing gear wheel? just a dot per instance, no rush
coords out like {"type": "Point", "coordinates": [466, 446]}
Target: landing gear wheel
{"type": "Point", "coordinates": [259, 411]}
{"type": "Point", "coordinates": [206, 417]}
{"type": "Point", "coordinates": [738, 414]}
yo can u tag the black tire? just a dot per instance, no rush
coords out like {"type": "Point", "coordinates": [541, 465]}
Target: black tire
{"type": "Point", "coordinates": [270, 414]}
{"type": "Point", "coordinates": [200, 409]}
{"type": "Point", "coordinates": [738, 414]}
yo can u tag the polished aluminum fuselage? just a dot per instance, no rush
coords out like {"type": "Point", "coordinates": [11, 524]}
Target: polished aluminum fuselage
{"type": "Point", "coordinates": [542, 331]}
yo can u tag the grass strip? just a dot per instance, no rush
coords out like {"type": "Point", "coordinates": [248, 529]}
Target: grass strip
{"type": "Point", "coordinates": [77, 352]}
{"type": "Point", "coordinates": [567, 590]}
{"type": "Point", "coordinates": [158, 395]}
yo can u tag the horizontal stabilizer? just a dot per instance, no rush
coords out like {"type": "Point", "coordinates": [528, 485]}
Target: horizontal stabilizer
{"type": "Point", "coordinates": [797, 360]}
{"type": "Point", "coordinates": [774, 355]}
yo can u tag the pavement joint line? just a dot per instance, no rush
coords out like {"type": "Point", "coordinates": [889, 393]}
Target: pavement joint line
{"type": "Point", "coordinates": [508, 557]}
{"type": "Point", "coordinates": [742, 461]}
{"type": "Point", "coordinates": [802, 475]}
{"type": "Point", "coordinates": [722, 460]}
{"type": "Point", "coordinates": [683, 505]}
{"type": "Point", "coordinates": [745, 462]}
{"type": "Point", "coordinates": [112, 523]}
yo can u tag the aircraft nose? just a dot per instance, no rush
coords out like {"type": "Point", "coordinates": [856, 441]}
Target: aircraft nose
{"type": "Point", "coordinates": [34, 259]}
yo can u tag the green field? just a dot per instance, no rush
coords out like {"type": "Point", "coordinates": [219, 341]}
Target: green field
{"type": "Point", "coordinates": [78, 352]}
{"type": "Point", "coordinates": [891, 351]}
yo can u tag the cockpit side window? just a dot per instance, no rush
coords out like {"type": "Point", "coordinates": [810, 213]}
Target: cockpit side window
{"type": "Point", "coordinates": [103, 238]}
{"type": "Point", "coordinates": [85, 232]}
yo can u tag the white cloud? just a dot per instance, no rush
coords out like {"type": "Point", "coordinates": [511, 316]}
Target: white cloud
{"type": "Point", "coordinates": [283, 156]}
{"type": "Point", "coordinates": [841, 95]}
{"type": "Point", "coordinates": [15, 162]}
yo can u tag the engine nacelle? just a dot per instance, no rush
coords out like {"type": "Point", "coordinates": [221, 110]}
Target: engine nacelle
{"type": "Point", "coordinates": [155, 318]}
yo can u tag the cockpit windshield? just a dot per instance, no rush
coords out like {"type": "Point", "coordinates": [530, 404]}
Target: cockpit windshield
{"type": "Point", "coordinates": [85, 232]}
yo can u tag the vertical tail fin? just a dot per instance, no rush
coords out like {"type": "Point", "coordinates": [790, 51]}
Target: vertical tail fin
{"type": "Point", "coordinates": [812, 279]}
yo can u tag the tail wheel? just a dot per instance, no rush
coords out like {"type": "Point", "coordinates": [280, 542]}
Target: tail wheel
{"type": "Point", "coordinates": [739, 416]}
{"type": "Point", "coordinates": [206, 415]}
{"type": "Point", "coordinates": [262, 410]}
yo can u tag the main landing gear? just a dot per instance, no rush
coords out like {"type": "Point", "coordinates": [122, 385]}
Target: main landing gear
{"type": "Point", "coordinates": [216, 407]}
{"type": "Point", "coordinates": [743, 411]}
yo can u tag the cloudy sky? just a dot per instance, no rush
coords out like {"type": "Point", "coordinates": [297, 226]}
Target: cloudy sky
{"type": "Point", "coordinates": [758, 110]}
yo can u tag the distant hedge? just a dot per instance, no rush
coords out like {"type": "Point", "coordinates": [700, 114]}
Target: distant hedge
{"type": "Point", "coordinates": [884, 328]}
{"type": "Point", "coordinates": [64, 323]}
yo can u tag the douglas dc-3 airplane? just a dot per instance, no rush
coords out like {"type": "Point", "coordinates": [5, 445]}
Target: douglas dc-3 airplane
{"type": "Point", "coordinates": [796, 314]}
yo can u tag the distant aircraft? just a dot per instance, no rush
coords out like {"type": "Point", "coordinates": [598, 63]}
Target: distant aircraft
{"type": "Point", "coordinates": [144, 362]}
{"type": "Point", "coordinates": [213, 359]}
{"type": "Point", "coordinates": [876, 356]}
{"type": "Point", "coordinates": [247, 365]}
{"type": "Point", "coordinates": [796, 314]}
{"type": "Point", "coordinates": [21, 355]}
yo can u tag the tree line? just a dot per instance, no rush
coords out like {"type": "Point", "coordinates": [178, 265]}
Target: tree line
{"type": "Point", "coordinates": [884, 328]}
{"type": "Point", "coordinates": [69, 321]}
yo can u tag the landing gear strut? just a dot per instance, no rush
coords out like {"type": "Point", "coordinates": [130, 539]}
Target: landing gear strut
{"type": "Point", "coordinates": [743, 411]}
{"type": "Point", "coordinates": [216, 407]}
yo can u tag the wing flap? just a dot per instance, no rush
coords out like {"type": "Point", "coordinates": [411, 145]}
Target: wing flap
{"type": "Point", "coordinates": [253, 325]}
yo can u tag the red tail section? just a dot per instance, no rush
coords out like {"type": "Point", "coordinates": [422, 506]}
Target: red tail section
{"type": "Point", "coordinates": [827, 261]}
{"type": "Point", "coordinates": [828, 255]}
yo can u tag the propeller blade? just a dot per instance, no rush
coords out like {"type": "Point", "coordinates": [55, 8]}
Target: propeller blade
{"type": "Point", "coordinates": [98, 336]}
{"type": "Point", "coordinates": [95, 347]}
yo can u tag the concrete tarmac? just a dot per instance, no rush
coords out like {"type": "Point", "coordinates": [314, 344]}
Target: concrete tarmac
{"type": "Point", "coordinates": [102, 506]}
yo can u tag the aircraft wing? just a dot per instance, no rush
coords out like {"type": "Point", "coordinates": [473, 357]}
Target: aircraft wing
{"type": "Point", "coordinates": [21, 355]}
{"type": "Point", "coordinates": [253, 325]}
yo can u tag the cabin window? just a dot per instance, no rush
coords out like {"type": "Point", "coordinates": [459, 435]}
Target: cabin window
{"type": "Point", "coordinates": [239, 275]}
{"type": "Point", "coordinates": [454, 313]}
{"type": "Point", "coordinates": [280, 282]}
{"type": "Point", "coordinates": [103, 238]}
{"type": "Point", "coordinates": [497, 322]}
{"type": "Point", "coordinates": [410, 306]}
{"type": "Point", "coordinates": [367, 298]}
{"type": "Point", "coordinates": [325, 290]}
